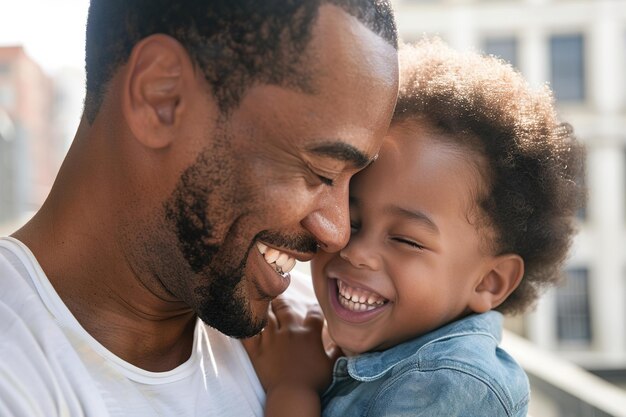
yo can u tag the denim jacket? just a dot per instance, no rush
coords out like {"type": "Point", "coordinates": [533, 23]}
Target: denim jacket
{"type": "Point", "coordinates": [456, 370]}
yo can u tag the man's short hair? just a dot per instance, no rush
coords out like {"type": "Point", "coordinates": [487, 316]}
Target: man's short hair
{"type": "Point", "coordinates": [235, 43]}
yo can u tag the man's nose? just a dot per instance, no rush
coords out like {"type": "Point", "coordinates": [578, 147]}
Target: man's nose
{"type": "Point", "coordinates": [330, 223]}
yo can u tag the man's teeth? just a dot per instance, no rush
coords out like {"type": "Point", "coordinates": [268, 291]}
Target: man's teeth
{"type": "Point", "coordinates": [358, 299]}
{"type": "Point", "coordinates": [281, 262]}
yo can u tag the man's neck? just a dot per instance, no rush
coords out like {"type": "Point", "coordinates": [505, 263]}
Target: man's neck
{"type": "Point", "coordinates": [110, 303]}
{"type": "Point", "coordinates": [73, 237]}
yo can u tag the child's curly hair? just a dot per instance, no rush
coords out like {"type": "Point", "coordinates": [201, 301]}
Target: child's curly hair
{"type": "Point", "coordinates": [534, 166]}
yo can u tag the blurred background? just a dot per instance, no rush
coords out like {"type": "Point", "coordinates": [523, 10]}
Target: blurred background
{"type": "Point", "coordinates": [573, 345]}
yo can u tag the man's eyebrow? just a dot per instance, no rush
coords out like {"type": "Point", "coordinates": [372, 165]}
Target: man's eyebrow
{"type": "Point", "coordinates": [413, 215]}
{"type": "Point", "coordinates": [343, 152]}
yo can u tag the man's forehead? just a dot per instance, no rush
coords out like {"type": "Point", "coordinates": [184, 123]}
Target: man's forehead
{"type": "Point", "coordinates": [342, 151]}
{"type": "Point", "coordinates": [348, 46]}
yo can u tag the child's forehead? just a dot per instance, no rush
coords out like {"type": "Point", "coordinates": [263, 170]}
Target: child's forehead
{"type": "Point", "coordinates": [418, 167]}
{"type": "Point", "coordinates": [420, 142]}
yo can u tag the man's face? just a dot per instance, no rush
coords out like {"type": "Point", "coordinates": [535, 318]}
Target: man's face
{"type": "Point", "coordinates": [271, 182]}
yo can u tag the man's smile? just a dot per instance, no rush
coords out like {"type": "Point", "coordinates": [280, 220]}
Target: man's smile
{"type": "Point", "coordinates": [273, 267]}
{"type": "Point", "coordinates": [282, 262]}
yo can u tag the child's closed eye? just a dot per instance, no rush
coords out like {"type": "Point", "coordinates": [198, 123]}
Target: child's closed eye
{"type": "Point", "coordinates": [408, 242]}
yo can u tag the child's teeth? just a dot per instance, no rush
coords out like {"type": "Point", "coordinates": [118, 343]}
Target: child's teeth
{"type": "Point", "coordinates": [346, 292]}
{"type": "Point", "coordinates": [358, 299]}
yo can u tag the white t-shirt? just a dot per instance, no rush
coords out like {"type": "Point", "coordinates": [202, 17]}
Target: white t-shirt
{"type": "Point", "coordinates": [50, 366]}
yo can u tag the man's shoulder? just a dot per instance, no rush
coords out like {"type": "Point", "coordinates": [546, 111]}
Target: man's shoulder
{"type": "Point", "coordinates": [15, 285]}
{"type": "Point", "coordinates": [36, 377]}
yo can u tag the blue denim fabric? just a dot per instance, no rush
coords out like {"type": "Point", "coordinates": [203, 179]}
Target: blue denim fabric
{"type": "Point", "coordinates": [456, 370]}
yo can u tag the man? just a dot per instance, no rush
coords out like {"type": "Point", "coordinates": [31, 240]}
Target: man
{"type": "Point", "coordinates": [215, 148]}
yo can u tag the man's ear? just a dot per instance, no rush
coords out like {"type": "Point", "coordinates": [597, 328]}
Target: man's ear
{"type": "Point", "coordinates": [154, 89]}
{"type": "Point", "coordinates": [502, 278]}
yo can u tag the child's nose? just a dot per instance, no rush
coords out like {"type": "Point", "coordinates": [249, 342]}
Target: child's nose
{"type": "Point", "coordinates": [361, 254]}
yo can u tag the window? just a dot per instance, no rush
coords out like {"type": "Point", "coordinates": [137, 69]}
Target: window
{"type": "Point", "coordinates": [572, 304]}
{"type": "Point", "coordinates": [567, 67]}
{"type": "Point", "coordinates": [5, 68]}
{"type": "Point", "coordinates": [502, 47]}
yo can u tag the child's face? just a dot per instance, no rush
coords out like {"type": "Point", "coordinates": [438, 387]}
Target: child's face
{"type": "Point", "coordinates": [414, 259]}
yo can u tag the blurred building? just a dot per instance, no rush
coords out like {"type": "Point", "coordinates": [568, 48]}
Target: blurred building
{"type": "Point", "coordinates": [69, 92]}
{"type": "Point", "coordinates": [579, 48]}
{"type": "Point", "coordinates": [28, 139]}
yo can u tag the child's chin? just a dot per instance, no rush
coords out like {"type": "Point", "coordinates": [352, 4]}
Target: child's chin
{"type": "Point", "coordinates": [350, 348]}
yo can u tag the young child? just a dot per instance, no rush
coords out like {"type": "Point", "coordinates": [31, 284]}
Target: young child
{"type": "Point", "coordinates": [466, 215]}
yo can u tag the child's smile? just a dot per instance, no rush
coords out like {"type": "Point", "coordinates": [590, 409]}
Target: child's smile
{"type": "Point", "coordinates": [354, 304]}
{"type": "Point", "coordinates": [358, 299]}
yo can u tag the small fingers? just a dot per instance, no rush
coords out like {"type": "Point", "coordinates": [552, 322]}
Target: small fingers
{"type": "Point", "coordinates": [272, 322]}
{"type": "Point", "coordinates": [314, 318]}
{"type": "Point", "coordinates": [253, 343]}
{"type": "Point", "coordinates": [283, 312]}
{"type": "Point", "coordinates": [333, 351]}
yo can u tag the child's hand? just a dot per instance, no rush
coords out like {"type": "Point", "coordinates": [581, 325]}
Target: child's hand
{"type": "Point", "coordinates": [289, 354]}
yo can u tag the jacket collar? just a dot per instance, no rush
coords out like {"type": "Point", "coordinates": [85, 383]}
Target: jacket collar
{"type": "Point", "coordinates": [373, 365]}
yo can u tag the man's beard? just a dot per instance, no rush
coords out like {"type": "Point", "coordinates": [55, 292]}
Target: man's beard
{"type": "Point", "coordinates": [223, 304]}
{"type": "Point", "coordinates": [199, 203]}
{"type": "Point", "coordinates": [303, 243]}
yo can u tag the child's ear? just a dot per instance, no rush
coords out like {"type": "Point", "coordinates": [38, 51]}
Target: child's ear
{"type": "Point", "coordinates": [502, 278]}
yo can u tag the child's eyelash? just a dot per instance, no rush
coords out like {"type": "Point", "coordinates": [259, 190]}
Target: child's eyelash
{"type": "Point", "coordinates": [408, 242]}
